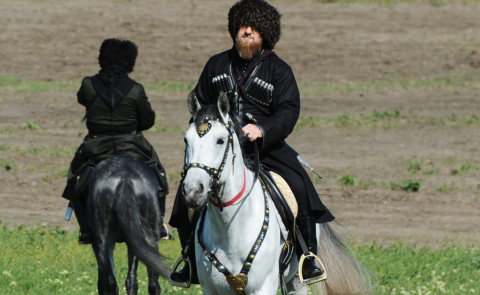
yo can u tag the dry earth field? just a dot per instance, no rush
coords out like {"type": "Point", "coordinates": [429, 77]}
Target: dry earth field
{"type": "Point", "coordinates": [353, 63]}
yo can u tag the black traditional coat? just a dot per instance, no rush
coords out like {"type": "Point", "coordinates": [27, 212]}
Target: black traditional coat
{"type": "Point", "coordinates": [117, 132]}
{"type": "Point", "coordinates": [274, 101]}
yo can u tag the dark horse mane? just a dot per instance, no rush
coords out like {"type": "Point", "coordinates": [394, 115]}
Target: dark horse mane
{"type": "Point", "coordinates": [213, 113]}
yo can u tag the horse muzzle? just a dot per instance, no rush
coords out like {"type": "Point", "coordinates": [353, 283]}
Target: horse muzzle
{"type": "Point", "coordinates": [195, 193]}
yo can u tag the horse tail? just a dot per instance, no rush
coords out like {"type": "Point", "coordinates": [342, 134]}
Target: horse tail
{"type": "Point", "coordinates": [141, 236]}
{"type": "Point", "coordinates": [345, 274]}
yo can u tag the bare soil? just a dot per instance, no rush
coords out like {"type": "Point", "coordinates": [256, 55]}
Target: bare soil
{"type": "Point", "coordinates": [59, 41]}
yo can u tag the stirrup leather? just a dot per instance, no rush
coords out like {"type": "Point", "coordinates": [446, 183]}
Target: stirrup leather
{"type": "Point", "coordinates": [314, 279]}
{"type": "Point", "coordinates": [181, 284]}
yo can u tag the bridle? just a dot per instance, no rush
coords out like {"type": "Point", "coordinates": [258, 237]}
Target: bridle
{"type": "Point", "coordinates": [215, 173]}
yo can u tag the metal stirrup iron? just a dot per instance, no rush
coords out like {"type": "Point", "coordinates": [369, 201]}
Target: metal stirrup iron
{"type": "Point", "coordinates": [307, 254]}
{"type": "Point", "coordinates": [183, 258]}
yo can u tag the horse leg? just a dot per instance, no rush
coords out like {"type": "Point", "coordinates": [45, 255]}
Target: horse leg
{"type": "Point", "coordinates": [295, 286]}
{"type": "Point", "coordinates": [153, 285]}
{"type": "Point", "coordinates": [107, 285]}
{"type": "Point", "coordinates": [131, 283]}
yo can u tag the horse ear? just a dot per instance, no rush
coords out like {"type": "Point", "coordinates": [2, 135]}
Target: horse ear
{"type": "Point", "coordinates": [193, 104]}
{"type": "Point", "coordinates": [223, 104]}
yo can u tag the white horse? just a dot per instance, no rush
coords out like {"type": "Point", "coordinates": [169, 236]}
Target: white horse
{"type": "Point", "coordinates": [227, 237]}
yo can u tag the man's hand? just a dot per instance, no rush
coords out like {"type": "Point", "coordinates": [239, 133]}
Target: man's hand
{"type": "Point", "coordinates": [252, 132]}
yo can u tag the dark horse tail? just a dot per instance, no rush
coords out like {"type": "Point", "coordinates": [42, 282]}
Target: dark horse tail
{"type": "Point", "coordinates": [141, 236]}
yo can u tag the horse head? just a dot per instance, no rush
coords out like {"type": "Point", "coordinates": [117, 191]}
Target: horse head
{"type": "Point", "coordinates": [210, 150]}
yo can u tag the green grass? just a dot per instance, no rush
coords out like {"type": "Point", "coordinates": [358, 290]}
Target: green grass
{"type": "Point", "coordinates": [386, 119]}
{"type": "Point", "coordinates": [45, 151]}
{"type": "Point", "coordinates": [18, 85]}
{"type": "Point", "coordinates": [436, 3]}
{"type": "Point", "coordinates": [382, 86]}
{"type": "Point", "coordinates": [375, 86]}
{"type": "Point", "coordinates": [46, 260]}
{"type": "Point", "coordinates": [346, 180]}
{"type": "Point", "coordinates": [170, 86]}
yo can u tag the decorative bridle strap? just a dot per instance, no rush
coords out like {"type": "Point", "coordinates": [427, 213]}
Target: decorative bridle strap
{"type": "Point", "coordinates": [232, 201]}
{"type": "Point", "coordinates": [237, 282]}
{"type": "Point", "coordinates": [215, 173]}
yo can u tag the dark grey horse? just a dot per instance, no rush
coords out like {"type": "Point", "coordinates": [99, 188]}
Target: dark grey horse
{"type": "Point", "coordinates": [123, 206]}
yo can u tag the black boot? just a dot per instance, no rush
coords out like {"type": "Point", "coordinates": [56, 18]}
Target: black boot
{"type": "Point", "coordinates": [80, 207]}
{"type": "Point", "coordinates": [184, 234]}
{"type": "Point", "coordinates": [307, 228]}
{"type": "Point", "coordinates": [164, 235]}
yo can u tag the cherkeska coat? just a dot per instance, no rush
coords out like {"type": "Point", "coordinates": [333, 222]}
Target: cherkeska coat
{"type": "Point", "coordinates": [113, 131]}
{"type": "Point", "coordinates": [274, 101]}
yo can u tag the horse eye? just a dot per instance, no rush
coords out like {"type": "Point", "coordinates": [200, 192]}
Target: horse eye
{"type": "Point", "coordinates": [220, 141]}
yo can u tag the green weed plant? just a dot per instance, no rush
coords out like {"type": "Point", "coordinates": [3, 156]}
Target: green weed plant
{"type": "Point", "coordinates": [346, 180]}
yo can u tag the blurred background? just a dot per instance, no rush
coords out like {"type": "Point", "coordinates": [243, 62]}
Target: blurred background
{"type": "Point", "coordinates": [390, 102]}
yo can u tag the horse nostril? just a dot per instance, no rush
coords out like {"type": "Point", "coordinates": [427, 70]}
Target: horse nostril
{"type": "Point", "coordinates": [200, 190]}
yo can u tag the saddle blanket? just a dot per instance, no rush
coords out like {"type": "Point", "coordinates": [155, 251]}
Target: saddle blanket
{"type": "Point", "coordinates": [289, 197]}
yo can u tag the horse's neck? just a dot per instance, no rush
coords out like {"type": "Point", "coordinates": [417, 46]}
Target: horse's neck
{"type": "Point", "coordinates": [233, 223]}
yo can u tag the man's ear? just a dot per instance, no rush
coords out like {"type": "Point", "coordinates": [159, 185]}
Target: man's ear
{"type": "Point", "coordinates": [223, 104]}
{"type": "Point", "coordinates": [193, 104]}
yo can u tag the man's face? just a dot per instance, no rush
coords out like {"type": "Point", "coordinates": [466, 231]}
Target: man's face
{"type": "Point", "coordinates": [248, 42]}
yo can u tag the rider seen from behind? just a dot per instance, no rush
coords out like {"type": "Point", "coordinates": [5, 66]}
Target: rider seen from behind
{"type": "Point", "coordinates": [262, 85]}
{"type": "Point", "coordinates": [117, 111]}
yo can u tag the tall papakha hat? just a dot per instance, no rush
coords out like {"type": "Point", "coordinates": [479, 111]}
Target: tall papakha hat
{"type": "Point", "coordinates": [116, 52]}
{"type": "Point", "coordinates": [258, 14]}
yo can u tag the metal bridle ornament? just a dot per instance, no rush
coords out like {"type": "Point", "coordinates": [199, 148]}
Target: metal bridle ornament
{"type": "Point", "coordinates": [215, 173]}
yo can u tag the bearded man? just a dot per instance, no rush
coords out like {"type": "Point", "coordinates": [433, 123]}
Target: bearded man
{"type": "Point", "coordinates": [260, 84]}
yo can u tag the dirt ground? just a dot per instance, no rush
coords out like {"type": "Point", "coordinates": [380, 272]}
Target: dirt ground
{"type": "Point", "coordinates": [326, 43]}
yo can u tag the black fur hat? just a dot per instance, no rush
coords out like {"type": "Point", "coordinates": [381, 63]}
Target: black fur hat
{"type": "Point", "coordinates": [258, 14]}
{"type": "Point", "coordinates": [122, 53]}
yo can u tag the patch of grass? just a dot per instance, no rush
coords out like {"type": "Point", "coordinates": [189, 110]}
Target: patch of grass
{"type": "Point", "coordinates": [443, 189]}
{"type": "Point", "coordinates": [404, 269]}
{"type": "Point", "coordinates": [170, 86]}
{"type": "Point", "coordinates": [29, 125]}
{"type": "Point", "coordinates": [435, 121]}
{"type": "Point", "coordinates": [411, 185]}
{"type": "Point", "coordinates": [459, 169]}
{"type": "Point", "coordinates": [6, 130]}
{"type": "Point", "coordinates": [346, 180]}
{"type": "Point", "coordinates": [413, 166]}
{"type": "Point", "coordinates": [382, 86]}
{"type": "Point", "coordinates": [19, 85]}
{"type": "Point", "coordinates": [430, 171]}
{"type": "Point", "coordinates": [394, 185]}
{"type": "Point", "coordinates": [6, 165]}
{"type": "Point", "coordinates": [45, 260]}
{"type": "Point", "coordinates": [386, 119]}
{"type": "Point", "coordinates": [367, 183]}
{"type": "Point", "coordinates": [450, 160]}
{"type": "Point", "coordinates": [4, 147]}
{"type": "Point", "coordinates": [158, 128]}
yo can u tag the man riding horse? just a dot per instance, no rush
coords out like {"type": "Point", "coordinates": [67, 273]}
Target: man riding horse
{"type": "Point", "coordinates": [117, 111]}
{"type": "Point", "coordinates": [263, 92]}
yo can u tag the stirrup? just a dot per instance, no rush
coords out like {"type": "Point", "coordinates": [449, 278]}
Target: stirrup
{"type": "Point", "coordinates": [181, 284]}
{"type": "Point", "coordinates": [314, 279]}
{"type": "Point", "coordinates": [168, 236]}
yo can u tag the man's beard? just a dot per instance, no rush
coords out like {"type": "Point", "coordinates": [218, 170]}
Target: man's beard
{"type": "Point", "coordinates": [247, 50]}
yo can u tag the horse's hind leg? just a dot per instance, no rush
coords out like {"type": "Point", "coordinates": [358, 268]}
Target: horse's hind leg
{"type": "Point", "coordinates": [107, 285]}
{"type": "Point", "coordinates": [153, 285]}
{"type": "Point", "coordinates": [131, 283]}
